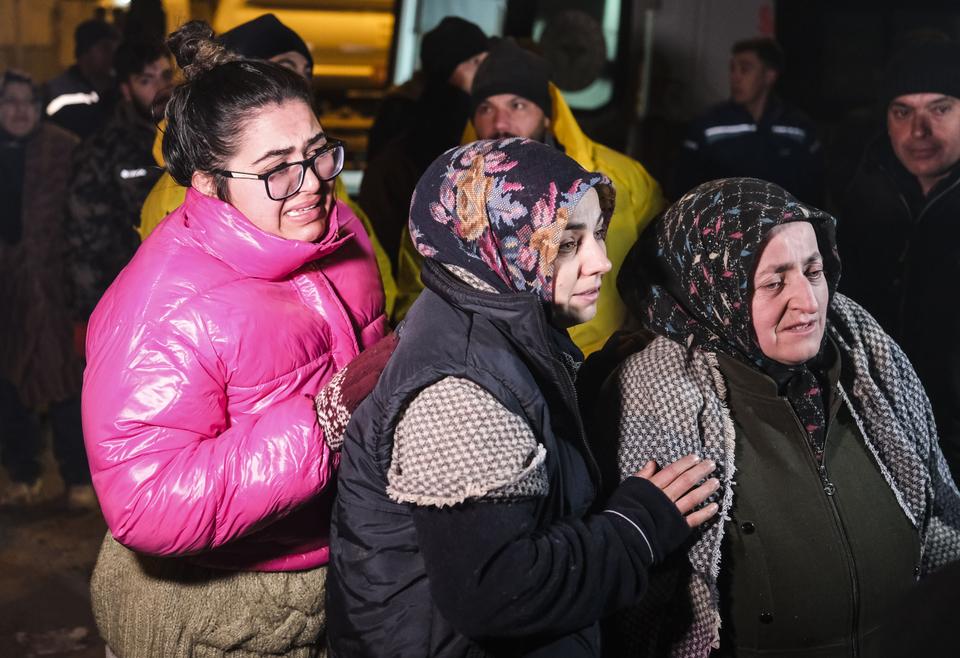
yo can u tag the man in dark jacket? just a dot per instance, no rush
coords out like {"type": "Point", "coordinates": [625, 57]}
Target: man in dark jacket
{"type": "Point", "coordinates": [754, 133]}
{"type": "Point", "coordinates": [113, 172]}
{"type": "Point", "coordinates": [899, 233]}
{"type": "Point", "coordinates": [450, 53]}
{"type": "Point", "coordinates": [81, 98]}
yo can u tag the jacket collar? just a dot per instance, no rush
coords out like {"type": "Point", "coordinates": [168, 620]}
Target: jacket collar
{"type": "Point", "coordinates": [225, 233]}
{"type": "Point", "coordinates": [520, 317]}
{"type": "Point", "coordinates": [743, 377]}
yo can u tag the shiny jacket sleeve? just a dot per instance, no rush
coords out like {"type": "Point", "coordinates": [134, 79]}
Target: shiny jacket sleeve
{"type": "Point", "coordinates": [172, 473]}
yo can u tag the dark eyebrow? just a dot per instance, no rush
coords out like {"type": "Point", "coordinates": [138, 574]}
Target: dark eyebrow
{"type": "Point", "coordinates": [575, 227]}
{"type": "Point", "coordinates": [273, 153]}
{"type": "Point", "coordinates": [287, 151]}
{"type": "Point", "coordinates": [316, 138]}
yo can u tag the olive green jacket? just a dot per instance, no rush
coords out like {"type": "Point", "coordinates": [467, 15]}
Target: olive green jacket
{"type": "Point", "coordinates": [665, 402]}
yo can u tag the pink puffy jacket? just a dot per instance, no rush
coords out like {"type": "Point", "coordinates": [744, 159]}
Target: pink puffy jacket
{"type": "Point", "coordinates": [202, 360]}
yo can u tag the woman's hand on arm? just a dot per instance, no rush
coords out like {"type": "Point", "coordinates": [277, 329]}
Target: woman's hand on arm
{"type": "Point", "coordinates": [683, 482]}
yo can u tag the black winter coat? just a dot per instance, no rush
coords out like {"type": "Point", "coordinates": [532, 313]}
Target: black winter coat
{"type": "Point", "coordinates": [901, 261]}
{"type": "Point", "coordinates": [530, 577]}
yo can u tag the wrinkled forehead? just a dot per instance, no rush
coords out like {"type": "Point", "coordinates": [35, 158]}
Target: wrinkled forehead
{"type": "Point", "coordinates": [922, 100]}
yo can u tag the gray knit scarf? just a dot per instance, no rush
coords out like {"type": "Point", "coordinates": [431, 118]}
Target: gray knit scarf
{"type": "Point", "coordinates": [674, 404]}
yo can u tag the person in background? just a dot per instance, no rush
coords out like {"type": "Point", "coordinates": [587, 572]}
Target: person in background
{"type": "Point", "coordinates": [466, 522]}
{"type": "Point", "coordinates": [755, 133]}
{"type": "Point", "coordinates": [213, 472]}
{"type": "Point", "coordinates": [899, 228]}
{"type": "Point", "coordinates": [39, 367]}
{"type": "Point", "coordinates": [82, 98]}
{"type": "Point", "coordinates": [450, 53]}
{"type": "Point", "coordinates": [835, 496]}
{"type": "Point", "coordinates": [512, 96]}
{"type": "Point", "coordinates": [264, 37]}
{"type": "Point", "coordinates": [113, 171]}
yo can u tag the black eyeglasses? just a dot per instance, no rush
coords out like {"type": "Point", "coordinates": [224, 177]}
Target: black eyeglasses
{"type": "Point", "coordinates": [286, 180]}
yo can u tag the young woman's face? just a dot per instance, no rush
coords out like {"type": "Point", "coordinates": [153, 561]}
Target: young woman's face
{"type": "Point", "coordinates": [790, 295]}
{"type": "Point", "coordinates": [580, 264]}
{"type": "Point", "coordinates": [279, 134]}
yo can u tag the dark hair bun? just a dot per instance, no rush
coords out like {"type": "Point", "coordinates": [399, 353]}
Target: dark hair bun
{"type": "Point", "coordinates": [196, 50]}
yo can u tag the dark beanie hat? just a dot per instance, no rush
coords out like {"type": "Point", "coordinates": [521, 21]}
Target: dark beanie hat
{"type": "Point", "coordinates": [91, 32]}
{"type": "Point", "coordinates": [264, 37]}
{"type": "Point", "coordinates": [451, 42]}
{"type": "Point", "coordinates": [510, 69]}
{"type": "Point", "coordinates": [927, 67]}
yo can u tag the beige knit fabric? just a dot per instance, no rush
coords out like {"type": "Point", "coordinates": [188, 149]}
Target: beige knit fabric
{"type": "Point", "coordinates": [470, 279]}
{"type": "Point", "coordinates": [455, 441]}
{"type": "Point", "coordinates": [148, 607]}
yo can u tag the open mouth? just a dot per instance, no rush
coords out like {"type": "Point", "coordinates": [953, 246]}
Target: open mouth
{"type": "Point", "coordinates": [297, 212]}
{"type": "Point", "coordinates": [801, 327]}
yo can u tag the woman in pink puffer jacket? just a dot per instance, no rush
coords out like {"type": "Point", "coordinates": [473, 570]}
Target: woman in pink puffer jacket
{"type": "Point", "coordinates": [203, 360]}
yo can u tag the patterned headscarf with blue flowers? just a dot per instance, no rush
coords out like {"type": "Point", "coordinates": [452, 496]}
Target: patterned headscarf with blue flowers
{"type": "Point", "coordinates": [497, 208]}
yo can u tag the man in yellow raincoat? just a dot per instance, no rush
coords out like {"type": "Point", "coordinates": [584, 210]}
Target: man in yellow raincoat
{"type": "Point", "coordinates": [512, 96]}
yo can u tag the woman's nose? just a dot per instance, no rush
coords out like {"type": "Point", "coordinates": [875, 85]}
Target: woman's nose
{"type": "Point", "coordinates": [311, 182]}
{"type": "Point", "coordinates": [803, 298]}
{"type": "Point", "coordinates": [596, 261]}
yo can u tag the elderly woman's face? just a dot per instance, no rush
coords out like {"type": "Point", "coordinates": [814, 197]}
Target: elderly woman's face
{"type": "Point", "coordinates": [790, 295]}
{"type": "Point", "coordinates": [580, 264]}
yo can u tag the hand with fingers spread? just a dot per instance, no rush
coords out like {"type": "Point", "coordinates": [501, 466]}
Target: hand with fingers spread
{"type": "Point", "coordinates": [684, 483]}
{"type": "Point", "coordinates": [656, 508]}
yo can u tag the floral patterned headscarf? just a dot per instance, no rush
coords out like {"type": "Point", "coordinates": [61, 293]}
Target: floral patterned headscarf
{"type": "Point", "coordinates": [497, 208]}
{"type": "Point", "coordinates": [699, 264]}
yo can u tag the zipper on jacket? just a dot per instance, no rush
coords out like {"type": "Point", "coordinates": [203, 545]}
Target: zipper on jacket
{"type": "Point", "coordinates": [571, 394]}
{"type": "Point", "coordinates": [830, 490]}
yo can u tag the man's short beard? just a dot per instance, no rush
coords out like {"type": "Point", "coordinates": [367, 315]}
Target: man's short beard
{"type": "Point", "coordinates": [539, 135]}
{"type": "Point", "coordinates": [145, 113]}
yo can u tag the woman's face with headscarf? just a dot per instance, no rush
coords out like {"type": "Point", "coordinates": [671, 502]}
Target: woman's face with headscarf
{"type": "Point", "coordinates": [790, 295]}
{"type": "Point", "coordinates": [580, 264]}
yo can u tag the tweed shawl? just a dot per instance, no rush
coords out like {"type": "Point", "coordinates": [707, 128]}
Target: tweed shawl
{"type": "Point", "coordinates": [672, 402]}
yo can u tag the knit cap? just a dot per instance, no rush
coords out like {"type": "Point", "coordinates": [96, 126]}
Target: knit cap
{"type": "Point", "coordinates": [510, 69]}
{"type": "Point", "coordinates": [265, 37]}
{"type": "Point", "coordinates": [927, 67]}
{"type": "Point", "coordinates": [91, 32]}
{"type": "Point", "coordinates": [453, 41]}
